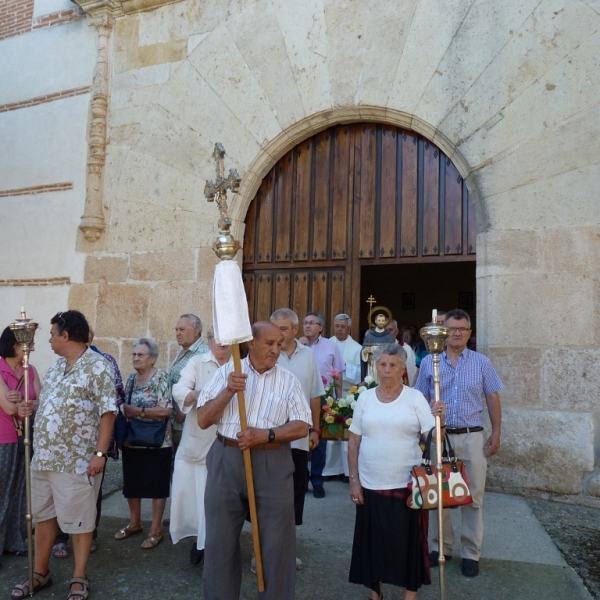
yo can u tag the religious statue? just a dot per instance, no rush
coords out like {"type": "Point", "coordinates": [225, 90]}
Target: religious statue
{"type": "Point", "coordinates": [377, 335]}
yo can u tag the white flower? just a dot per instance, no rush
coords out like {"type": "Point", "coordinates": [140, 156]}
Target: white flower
{"type": "Point", "coordinates": [362, 389]}
{"type": "Point", "coordinates": [342, 403]}
{"type": "Point", "coordinates": [368, 380]}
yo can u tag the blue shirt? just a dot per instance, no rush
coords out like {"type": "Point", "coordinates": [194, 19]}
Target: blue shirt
{"type": "Point", "coordinates": [462, 388]}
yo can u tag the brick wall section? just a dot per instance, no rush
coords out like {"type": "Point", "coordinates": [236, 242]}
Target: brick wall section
{"type": "Point", "coordinates": [63, 16]}
{"type": "Point", "coordinates": [35, 282]}
{"type": "Point", "coordinates": [37, 189]}
{"type": "Point", "coordinates": [43, 99]}
{"type": "Point", "coordinates": [16, 17]}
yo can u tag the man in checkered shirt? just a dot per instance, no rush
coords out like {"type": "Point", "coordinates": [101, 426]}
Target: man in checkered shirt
{"type": "Point", "coordinates": [466, 378]}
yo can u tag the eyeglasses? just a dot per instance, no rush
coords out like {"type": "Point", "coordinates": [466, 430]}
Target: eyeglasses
{"type": "Point", "coordinates": [460, 330]}
{"type": "Point", "coordinates": [310, 323]}
{"type": "Point", "coordinates": [138, 355]}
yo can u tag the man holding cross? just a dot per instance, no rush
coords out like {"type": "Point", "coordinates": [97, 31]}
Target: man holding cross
{"type": "Point", "coordinates": [277, 414]}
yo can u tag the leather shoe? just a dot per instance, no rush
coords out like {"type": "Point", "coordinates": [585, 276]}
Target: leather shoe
{"type": "Point", "coordinates": [434, 556]}
{"type": "Point", "coordinates": [318, 491]}
{"type": "Point", "coordinates": [196, 555]}
{"type": "Point", "coordinates": [470, 567]}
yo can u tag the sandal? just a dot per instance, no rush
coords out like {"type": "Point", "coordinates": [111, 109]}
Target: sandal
{"type": "Point", "coordinates": [43, 580]}
{"type": "Point", "coordinates": [152, 541]}
{"type": "Point", "coordinates": [93, 546]}
{"type": "Point", "coordinates": [79, 594]}
{"type": "Point", "coordinates": [60, 551]}
{"type": "Point", "coordinates": [127, 531]}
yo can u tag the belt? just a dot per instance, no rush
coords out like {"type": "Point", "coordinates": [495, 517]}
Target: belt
{"type": "Point", "coordinates": [234, 444]}
{"type": "Point", "coordinates": [459, 430]}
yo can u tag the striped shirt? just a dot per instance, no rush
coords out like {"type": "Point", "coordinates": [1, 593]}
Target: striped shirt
{"type": "Point", "coordinates": [462, 388]}
{"type": "Point", "coordinates": [272, 399]}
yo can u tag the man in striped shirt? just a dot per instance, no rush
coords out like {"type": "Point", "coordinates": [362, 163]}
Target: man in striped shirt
{"type": "Point", "coordinates": [466, 377]}
{"type": "Point", "coordinates": [277, 414]}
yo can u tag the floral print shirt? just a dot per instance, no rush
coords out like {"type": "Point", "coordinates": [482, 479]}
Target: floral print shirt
{"type": "Point", "coordinates": [157, 392]}
{"type": "Point", "coordinates": [71, 406]}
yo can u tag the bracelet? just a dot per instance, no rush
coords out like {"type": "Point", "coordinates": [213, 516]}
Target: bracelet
{"type": "Point", "coordinates": [315, 430]}
{"type": "Point", "coordinates": [353, 477]}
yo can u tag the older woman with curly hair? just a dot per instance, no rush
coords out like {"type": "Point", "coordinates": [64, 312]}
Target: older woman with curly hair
{"type": "Point", "coordinates": [146, 470]}
{"type": "Point", "coordinates": [390, 539]}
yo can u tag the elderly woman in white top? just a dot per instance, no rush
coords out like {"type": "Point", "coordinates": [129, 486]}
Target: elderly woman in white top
{"type": "Point", "coordinates": [390, 539]}
{"type": "Point", "coordinates": [189, 476]}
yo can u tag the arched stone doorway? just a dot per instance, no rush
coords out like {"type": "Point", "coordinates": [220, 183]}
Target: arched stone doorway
{"type": "Point", "coordinates": [350, 197]}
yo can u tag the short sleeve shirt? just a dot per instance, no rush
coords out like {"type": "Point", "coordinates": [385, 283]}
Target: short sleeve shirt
{"type": "Point", "coordinates": [71, 406]}
{"type": "Point", "coordinates": [157, 392]}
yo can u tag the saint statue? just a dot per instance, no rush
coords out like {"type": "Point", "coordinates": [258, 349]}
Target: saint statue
{"type": "Point", "coordinates": [379, 335]}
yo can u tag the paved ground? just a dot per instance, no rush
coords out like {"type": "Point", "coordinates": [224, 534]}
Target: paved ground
{"type": "Point", "coordinates": [520, 560]}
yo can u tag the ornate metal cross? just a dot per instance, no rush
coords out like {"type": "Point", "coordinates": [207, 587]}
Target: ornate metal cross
{"type": "Point", "coordinates": [218, 189]}
{"type": "Point", "coordinates": [371, 301]}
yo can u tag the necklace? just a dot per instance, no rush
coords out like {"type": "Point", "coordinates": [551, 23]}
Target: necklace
{"type": "Point", "coordinates": [68, 366]}
{"type": "Point", "coordinates": [389, 395]}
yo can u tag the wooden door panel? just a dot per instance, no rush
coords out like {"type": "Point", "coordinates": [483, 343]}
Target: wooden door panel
{"type": "Point", "coordinates": [264, 296]}
{"type": "Point", "coordinates": [341, 193]}
{"type": "Point", "coordinates": [350, 196]}
{"type": "Point", "coordinates": [388, 199]}
{"type": "Point", "coordinates": [283, 249]}
{"type": "Point", "coordinates": [302, 202]}
{"type": "Point", "coordinates": [321, 204]}
{"type": "Point", "coordinates": [409, 198]}
{"type": "Point", "coordinates": [431, 205]}
{"type": "Point", "coordinates": [265, 221]}
{"type": "Point", "coordinates": [367, 170]}
{"type": "Point", "coordinates": [452, 210]}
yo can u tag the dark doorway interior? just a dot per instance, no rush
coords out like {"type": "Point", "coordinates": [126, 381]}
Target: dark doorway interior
{"type": "Point", "coordinates": [411, 291]}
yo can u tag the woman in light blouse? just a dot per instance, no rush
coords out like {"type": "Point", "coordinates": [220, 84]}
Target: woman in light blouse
{"type": "Point", "coordinates": [390, 539]}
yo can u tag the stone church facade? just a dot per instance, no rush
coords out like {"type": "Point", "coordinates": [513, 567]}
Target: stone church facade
{"type": "Point", "coordinates": [110, 109]}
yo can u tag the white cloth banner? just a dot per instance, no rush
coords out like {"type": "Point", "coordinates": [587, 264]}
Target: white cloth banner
{"type": "Point", "coordinates": [230, 308]}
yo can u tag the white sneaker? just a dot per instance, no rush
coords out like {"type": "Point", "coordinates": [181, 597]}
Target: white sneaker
{"type": "Point", "coordinates": [299, 564]}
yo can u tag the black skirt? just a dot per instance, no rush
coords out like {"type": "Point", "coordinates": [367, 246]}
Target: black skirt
{"type": "Point", "coordinates": [390, 542]}
{"type": "Point", "coordinates": [146, 472]}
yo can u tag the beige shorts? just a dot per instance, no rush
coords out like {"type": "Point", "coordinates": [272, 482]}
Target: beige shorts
{"type": "Point", "coordinates": [68, 497]}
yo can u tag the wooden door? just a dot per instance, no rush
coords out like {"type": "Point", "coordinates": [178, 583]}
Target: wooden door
{"type": "Point", "coordinates": [350, 196]}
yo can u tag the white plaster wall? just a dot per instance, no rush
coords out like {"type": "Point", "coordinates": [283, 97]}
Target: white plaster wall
{"type": "Point", "coordinates": [46, 7]}
{"type": "Point", "coordinates": [47, 60]}
{"type": "Point", "coordinates": [43, 144]}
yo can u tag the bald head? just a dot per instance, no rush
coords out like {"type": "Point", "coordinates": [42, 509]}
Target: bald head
{"type": "Point", "coordinates": [265, 345]}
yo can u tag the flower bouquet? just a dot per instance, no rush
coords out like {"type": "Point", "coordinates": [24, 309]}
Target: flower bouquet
{"type": "Point", "coordinates": [336, 413]}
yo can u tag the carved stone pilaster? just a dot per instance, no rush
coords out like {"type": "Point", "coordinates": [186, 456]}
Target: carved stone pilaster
{"type": "Point", "coordinates": [101, 15]}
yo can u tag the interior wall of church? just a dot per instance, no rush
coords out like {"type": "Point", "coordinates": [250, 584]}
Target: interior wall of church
{"type": "Point", "coordinates": [508, 90]}
{"type": "Point", "coordinates": [47, 57]}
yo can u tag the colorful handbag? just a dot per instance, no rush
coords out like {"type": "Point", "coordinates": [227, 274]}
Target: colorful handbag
{"type": "Point", "coordinates": [423, 486]}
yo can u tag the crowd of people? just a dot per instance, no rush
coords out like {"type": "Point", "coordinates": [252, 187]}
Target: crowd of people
{"type": "Point", "coordinates": [179, 434]}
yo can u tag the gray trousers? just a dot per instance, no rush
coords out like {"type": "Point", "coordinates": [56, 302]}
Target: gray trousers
{"type": "Point", "coordinates": [469, 448]}
{"type": "Point", "coordinates": [226, 507]}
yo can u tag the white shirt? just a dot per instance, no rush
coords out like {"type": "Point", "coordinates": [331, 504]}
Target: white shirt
{"type": "Point", "coordinates": [303, 364]}
{"type": "Point", "coordinates": [195, 442]}
{"type": "Point", "coordinates": [350, 350]}
{"type": "Point", "coordinates": [272, 399]}
{"type": "Point", "coordinates": [389, 446]}
{"type": "Point", "coordinates": [411, 367]}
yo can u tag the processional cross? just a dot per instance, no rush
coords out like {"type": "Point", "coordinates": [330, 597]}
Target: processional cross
{"type": "Point", "coordinates": [218, 190]}
{"type": "Point", "coordinates": [371, 301]}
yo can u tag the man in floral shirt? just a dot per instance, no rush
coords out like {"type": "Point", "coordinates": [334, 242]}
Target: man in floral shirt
{"type": "Point", "coordinates": [73, 426]}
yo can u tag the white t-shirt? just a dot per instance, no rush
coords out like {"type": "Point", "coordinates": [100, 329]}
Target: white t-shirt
{"type": "Point", "coordinates": [389, 446]}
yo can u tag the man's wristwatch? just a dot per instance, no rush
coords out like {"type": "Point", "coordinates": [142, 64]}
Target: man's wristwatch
{"type": "Point", "coordinates": [143, 413]}
{"type": "Point", "coordinates": [100, 453]}
{"type": "Point", "coordinates": [271, 436]}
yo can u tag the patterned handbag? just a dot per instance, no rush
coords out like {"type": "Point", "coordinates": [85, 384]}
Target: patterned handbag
{"type": "Point", "coordinates": [423, 485]}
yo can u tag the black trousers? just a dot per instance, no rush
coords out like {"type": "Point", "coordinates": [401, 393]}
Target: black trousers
{"type": "Point", "coordinates": [300, 458]}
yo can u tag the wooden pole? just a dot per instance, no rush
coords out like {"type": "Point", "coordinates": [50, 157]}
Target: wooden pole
{"type": "Point", "coordinates": [237, 365]}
